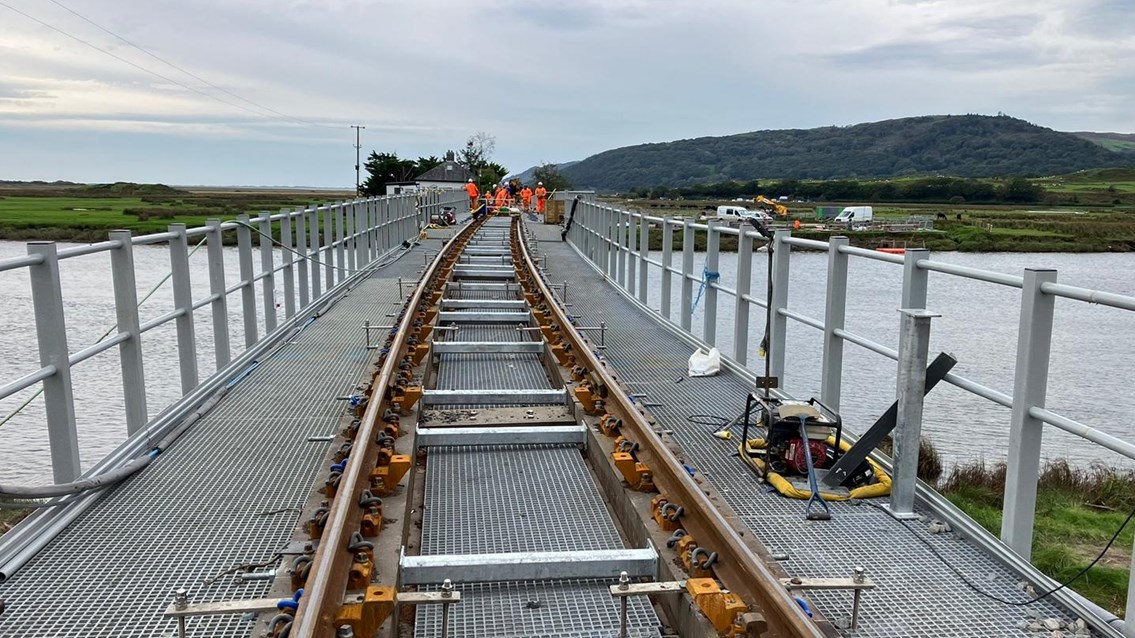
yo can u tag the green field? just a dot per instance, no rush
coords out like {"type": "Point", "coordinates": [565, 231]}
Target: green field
{"type": "Point", "coordinates": [88, 213]}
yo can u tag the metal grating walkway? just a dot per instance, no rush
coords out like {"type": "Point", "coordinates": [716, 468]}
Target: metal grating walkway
{"type": "Point", "coordinates": [916, 594]}
{"type": "Point", "coordinates": [206, 504]}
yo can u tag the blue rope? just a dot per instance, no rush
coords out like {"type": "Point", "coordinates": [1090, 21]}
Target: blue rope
{"type": "Point", "coordinates": [708, 277]}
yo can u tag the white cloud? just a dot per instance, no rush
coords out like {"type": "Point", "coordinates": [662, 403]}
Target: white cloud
{"type": "Point", "coordinates": [552, 80]}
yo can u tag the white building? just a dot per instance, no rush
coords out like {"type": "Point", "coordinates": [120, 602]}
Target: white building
{"type": "Point", "coordinates": [449, 175]}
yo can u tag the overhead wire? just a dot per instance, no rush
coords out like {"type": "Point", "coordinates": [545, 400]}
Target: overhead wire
{"type": "Point", "coordinates": [134, 64]}
{"type": "Point", "coordinates": [179, 68]}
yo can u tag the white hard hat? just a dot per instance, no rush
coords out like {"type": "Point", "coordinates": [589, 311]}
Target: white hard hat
{"type": "Point", "coordinates": [539, 183]}
{"type": "Point", "coordinates": [470, 181]}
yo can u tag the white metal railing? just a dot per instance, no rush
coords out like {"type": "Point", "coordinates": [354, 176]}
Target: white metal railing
{"type": "Point", "coordinates": [321, 248]}
{"type": "Point", "coordinates": [617, 241]}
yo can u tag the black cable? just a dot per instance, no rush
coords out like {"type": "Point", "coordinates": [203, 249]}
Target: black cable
{"type": "Point", "coordinates": [975, 588]}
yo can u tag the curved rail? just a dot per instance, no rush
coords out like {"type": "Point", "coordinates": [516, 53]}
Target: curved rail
{"type": "Point", "coordinates": [319, 605]}
{"type": "Point", "coordinates": [711, 522]}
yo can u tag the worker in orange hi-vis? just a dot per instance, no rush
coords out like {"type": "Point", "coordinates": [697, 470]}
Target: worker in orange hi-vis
{"type": "Point", "coordinates": [502, 196]}
{"type": "Point", "coordinates": [471, 188]}
{"type": "Point", "coordinates": [526, 198]}
{"type": "Point", "coordinates": [796, 225]}
{"type": "Point", "coordinates": [541, 197]}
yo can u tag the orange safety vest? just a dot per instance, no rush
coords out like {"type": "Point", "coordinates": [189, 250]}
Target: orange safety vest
{"type": "Point", "coordinates": [541, 192]}
{"type": "Point", "coordinates": [526, 194]}
{"type": "Point", "coordinates": [502, 194]}
{"type": "Point", "coordinates": [471, 188]}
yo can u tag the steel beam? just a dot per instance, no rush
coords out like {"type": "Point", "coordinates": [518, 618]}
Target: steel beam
{"type": "Point", "coordinates": [519, 435]}
{"type": "Point", "coordinates": [464, 347]}
{"type": "Point", "coordinates": [914, 343]}
{"type": "Point", "coordinates": [479, 273]}
{"type": "Point", "coordinates": [496, 397]}
{"type": "Point", "coordinates": [467, 316]}
{"type": "Point", "coordinates": [509, 304]}
{"type": "Point", "coordinates": [516, 566]}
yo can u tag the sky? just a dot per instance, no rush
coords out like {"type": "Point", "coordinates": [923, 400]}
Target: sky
{"type": "Point", "coordinates": [263, 92]}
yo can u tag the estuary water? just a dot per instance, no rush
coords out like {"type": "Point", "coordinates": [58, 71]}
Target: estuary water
{"type": "Point", "coordinates": [1090, 377]}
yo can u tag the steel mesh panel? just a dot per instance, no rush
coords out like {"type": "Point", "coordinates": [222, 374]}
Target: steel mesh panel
{"type": "Point", "coordinates": [564, 608]}
{"type": "Point", "coordinates": [917, 595]}
{"type": "Point", "coordinates": [490, 499]}
{"type": "Point", "coordinates": [489, 332]}
{"type": "Point", "coordinates": [492, 371]}
{"type": "Point", "coordinates": [201, 507]}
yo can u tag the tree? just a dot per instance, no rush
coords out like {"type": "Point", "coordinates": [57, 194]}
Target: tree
{"type": "Point", "coordinates": [383, 168]}
{"type": "Point", "coordinates": [552, 178]}
{"type": "Point", "coordinates": [426, 163]}
{"type": "Point", "coordinates": [490, 175]}
{"type": "Point", "coordinates": [478, 151]}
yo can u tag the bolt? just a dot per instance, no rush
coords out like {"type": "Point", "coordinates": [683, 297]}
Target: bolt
{"type": "Point", "coordinates": [345, 631]}
{"type": "Point", "coordinates": [361, 557]}
{"type": "Point", "coordinates": [447, 588]}
{"type": "Point", "coordinates": [858, 574]}
{"type": "Point", "coordinates": [181, 598]}
{"type": "Point", "coordinates": [624, 581]}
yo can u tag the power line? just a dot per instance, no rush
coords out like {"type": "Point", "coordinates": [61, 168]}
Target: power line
{"type": "Point", "coordinates": [135, 65]}
{"type": "Point", "coordinates": [174, 66]}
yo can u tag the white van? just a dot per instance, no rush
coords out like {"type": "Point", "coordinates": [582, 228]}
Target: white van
{"type": "Point", "coordinates": [855, 215]}
{"type": "Point", "coordinates": [729, 213]}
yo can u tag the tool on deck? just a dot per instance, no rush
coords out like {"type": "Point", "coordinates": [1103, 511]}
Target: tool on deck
{"type": "Point", "coordinates": [849, 462]}
{"type": "Point", "coordinates": [826, 514]}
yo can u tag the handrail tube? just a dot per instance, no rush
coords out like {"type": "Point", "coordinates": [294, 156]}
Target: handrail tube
{"type": "Point", "coordinates": [972, 273]}
{"type": "Point", "coordinates": [1084, 431]}
{"type": "Point", "coordinates": [754, 300]}
{"type": "Point", "coordinates": [720, 288]}
{"type": "Point", "coordinates": [244, 283]}
{"type": "Point", "coordinates": [153, 238]}
{"type": "Point", "coordinates": [167, 317]}
{"type": "Point", "coordinates": [89, 249]}
{"type": "Point", "coordinates": [806, 243]}
{"type": "Point", "coordinates": [867, 253]}
{"type": "Point", "coordinates": [804, 319]}
{"type": "Point", "coordinates": [22, 261]}
{"type": "Point", "coordinates": [92, 350]}
{"type": "Point", "coordinates": [205, 301]}
{"type": "Point", "coordinates": [26, 381]}
{"type": "Point", "coordinates": [1123, 302]}
{"type": "Point", "coordinates": [738, 567]}
{"type": "Point", "coordinates": [867, 343]}
{"type": "Point", "coordinates": [985, 392]}
{"type": "Point", "coordinates": [198, 231]}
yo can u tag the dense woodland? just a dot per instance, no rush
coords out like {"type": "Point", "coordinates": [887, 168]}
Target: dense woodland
{"type": "Point", "coordinates": [961, 145]}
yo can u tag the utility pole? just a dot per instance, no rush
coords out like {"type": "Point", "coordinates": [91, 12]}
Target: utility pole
{"type": "Point", "coordinates": [358, 147]}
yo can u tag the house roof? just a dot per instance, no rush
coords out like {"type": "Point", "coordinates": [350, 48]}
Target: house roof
{"type": "Point", "coordinates": [447, 171]}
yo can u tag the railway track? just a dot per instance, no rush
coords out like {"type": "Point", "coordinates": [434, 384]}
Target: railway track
{"type": "Point", "coordinates": [496, 477]}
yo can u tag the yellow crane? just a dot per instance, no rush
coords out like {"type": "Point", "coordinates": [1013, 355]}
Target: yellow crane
{"type": "Point", "coordinates": [771, 206]}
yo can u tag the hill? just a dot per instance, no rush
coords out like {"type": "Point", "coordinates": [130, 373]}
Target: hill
{"type": "Point", "coordinates": [959, 145]}
{"type": "Point", "coordinates": [529, 175]}
{"type": "Point", "coordinates": [1119, 142]}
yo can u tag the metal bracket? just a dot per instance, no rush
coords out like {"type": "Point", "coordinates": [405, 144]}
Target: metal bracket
{"type": "Point", "coordinates": [857, 583]}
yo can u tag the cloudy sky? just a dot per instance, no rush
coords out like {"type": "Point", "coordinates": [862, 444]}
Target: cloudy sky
{"type": "Point", "coordinates": [275, 84]}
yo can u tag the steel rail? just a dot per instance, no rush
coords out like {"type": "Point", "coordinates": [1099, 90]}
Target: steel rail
{"type": "Point", "coordinates": [710, 522]}
{"type": "Point", "coordinates": [327, 584]}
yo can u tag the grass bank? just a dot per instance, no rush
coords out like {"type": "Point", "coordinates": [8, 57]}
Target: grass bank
{"type": "Point", "coordinates": [1078, 510]}
{"type": "Point", "coordinates": [9, 518]}
{"type": "Point", "coordinates": [88, 213]}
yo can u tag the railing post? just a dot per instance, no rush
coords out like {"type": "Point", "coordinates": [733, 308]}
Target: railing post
{"type": "Point", "coordinates": [301, 248]}
{"type": "Point", "coordinates": [621, 220]}
{"type": "Point", "coordinates": [51, 333]}
{"type": "Point", "coordinates": [248, 287]}
{"type": "Point", "coordinates": [313, 250]}
{"type": "Point", "coordinates": [712, 259]}
{"type": "Point", "coordinates": [914, 344]}
{"type": "Point", "coordinates": [778, 326]}
{"type": "Point", "coordinates": [217, 290]}
{"type": "Point", "coordinates": [289, 257]}
{"type": "Point", "coordinates": [687, 286]}
{"type": "Point", "coordinates": [643, 253]}
{"type": "Point", "coordinates": [835, 310]}
{"type": "Point", "coordinates": [667, 263]}
{"type": "Point", "coordinates": [126, 312]}
{"type": "Point", "coordinates": [329, 244]}
{"type": "Point", "coordinates": [741, 305]}
{"type": "Point", "coordinates": [183, 301]}
{"type": "Point", "coordinates": [367, 232]}
{"type": "Point", "coordinates": [1030, 383]}
{"type": "Point", "coordinates": [267, 265]}
{"type": "Point", "coordinates": [341, 246]}
{"type": "Point", "coordinates": [914, 279]}
{"type": "Point", "coordinates": [611, 224]}
{"type": "Point", "coordinates": [632, 261]}
{"type": "Point", "coordinates": [352, 217]}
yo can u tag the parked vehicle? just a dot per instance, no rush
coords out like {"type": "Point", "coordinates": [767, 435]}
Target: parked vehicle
{"type": "Point", "coordinates": [855, 216]}
{"type": "Point", "coordinates": [740, 213]}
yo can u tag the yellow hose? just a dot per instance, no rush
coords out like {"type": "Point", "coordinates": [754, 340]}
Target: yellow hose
{"type": "Point", "coordinates": [881, 487]}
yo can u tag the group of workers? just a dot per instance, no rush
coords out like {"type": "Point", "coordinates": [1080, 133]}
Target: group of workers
{"type": "Point", "coordinates": [507, 195]}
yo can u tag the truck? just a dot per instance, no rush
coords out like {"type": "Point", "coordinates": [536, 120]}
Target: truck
{"type": "Point", "coordinates": [855, 216]}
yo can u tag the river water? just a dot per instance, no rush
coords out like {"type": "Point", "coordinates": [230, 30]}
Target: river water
{"type": "Point", "coordinates": [1089, 379]}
